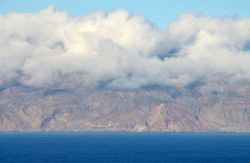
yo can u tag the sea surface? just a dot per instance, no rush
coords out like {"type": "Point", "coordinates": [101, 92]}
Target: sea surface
{"type": "Point", "coordinates": [118, 147]}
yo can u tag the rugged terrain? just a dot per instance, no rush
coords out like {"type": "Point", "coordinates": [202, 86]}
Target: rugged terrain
{"type": "Point", "coordinates": [211, 106]}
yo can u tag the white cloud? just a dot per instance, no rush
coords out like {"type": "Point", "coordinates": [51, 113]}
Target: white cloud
{"type": "Point", "coordinates": [37, 49]}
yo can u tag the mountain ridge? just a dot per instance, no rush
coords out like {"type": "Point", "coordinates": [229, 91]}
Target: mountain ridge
{"type": "Point", "coordinates": [212, 106]}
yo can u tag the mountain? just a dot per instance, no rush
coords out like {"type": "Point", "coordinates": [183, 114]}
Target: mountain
{"type": "Point", "coordinates": [72, 105]}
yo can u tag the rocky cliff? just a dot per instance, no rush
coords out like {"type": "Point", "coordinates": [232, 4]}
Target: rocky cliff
{"type": "Point", "coordinates": [210, 106]}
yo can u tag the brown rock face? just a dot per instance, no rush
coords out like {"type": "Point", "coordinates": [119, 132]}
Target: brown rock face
{"type": "Point", "coordinates": [159, 121]}
{"type": "Point", "coordinates": [204, 107]}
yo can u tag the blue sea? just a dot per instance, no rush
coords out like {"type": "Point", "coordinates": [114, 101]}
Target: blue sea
{"type": "Point", "coordinates": [124, 147]}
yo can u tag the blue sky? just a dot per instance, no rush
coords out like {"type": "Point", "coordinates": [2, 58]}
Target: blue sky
{"type": "Point", "coordinates": [160, 12]}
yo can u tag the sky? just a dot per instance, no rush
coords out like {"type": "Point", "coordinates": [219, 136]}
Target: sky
{"type": "Point", "coordinates": [114, 42]}
{"type": "Point", "coordinates": [159, 12]}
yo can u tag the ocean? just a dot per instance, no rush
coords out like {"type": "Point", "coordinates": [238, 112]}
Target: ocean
{"type": "Point", "coordinates": [95, 147]}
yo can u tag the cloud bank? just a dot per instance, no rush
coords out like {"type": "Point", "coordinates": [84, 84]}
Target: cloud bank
{"type": "Point", "coordinates": [128, 51]}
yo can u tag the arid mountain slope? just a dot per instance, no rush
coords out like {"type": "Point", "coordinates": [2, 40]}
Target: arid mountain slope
{"type": "Point", "coordinates": [211, 106]}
